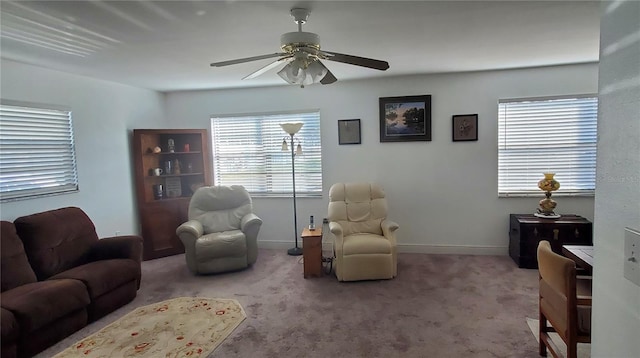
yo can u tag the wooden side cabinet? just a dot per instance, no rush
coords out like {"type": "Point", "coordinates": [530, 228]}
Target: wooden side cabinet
{"type": "Point", "coordinates": [527, 230]}
{"type": "Point", "coordinates": [170, 164]}
{"type": "Point", "coordinates": [312, 252]}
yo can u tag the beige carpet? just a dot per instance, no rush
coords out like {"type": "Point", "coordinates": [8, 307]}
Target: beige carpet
{"type": "Point", "coordinates": [584, 349]}
{"type": "Point", "coordinates": [180, 327]}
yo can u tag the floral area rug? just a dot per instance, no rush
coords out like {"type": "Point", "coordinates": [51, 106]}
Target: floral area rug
{"type": "Point", "coordinates": [179, 327]}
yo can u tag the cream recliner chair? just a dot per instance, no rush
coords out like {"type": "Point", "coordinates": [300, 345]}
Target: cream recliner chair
{"type": "Point", "coordinates": [365, 243]}
{"type": "Point", "coordinates": [222, 231]}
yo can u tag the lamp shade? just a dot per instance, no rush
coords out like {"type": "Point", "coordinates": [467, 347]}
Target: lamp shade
{"type": "Point", "coordinates": [291, 128]}
{"type": "Point", "coordinates": [292, 73]}
{"type": "Point", "coordinates": [301, 72]}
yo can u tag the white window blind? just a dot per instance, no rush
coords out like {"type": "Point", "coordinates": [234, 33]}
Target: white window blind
{"type": "Point", "coordinates": [37, 154]}
{"type": "Point", "coordinates": [555, 135]}
{"type": "Point", "coordinates": [247, 150]}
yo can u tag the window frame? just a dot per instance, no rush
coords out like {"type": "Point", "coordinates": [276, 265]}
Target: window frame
{"type": "Point", "coordinates": [274, 160]}
{"type": "Point", "coordinates": [588, 147]}
{"type": "Point", "coordinates": [66, 160]}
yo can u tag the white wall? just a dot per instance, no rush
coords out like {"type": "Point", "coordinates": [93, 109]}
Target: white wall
{"type": "Point", "coordinates": [443, 194]}
{"type": "Point", "coordinates": [103, 115]}
{"type": "Point", "coordinates": [616, 300]}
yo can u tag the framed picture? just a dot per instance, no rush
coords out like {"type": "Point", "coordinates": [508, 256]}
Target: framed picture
{"type": "Point", "coordinates": [349, 131]}
{"type": "Point", "coordinates": [405, 119]}
{"type": "Point", "coordinates": [174, 187]}
{"type": "Point", "coordinates": [465, 127]}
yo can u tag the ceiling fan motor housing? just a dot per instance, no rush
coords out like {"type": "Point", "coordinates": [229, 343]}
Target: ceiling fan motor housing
{"type": "Point", "coordinates": [292, 40]}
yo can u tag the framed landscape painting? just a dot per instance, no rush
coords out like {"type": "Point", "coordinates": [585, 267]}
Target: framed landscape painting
{"type": "Point", "coordinates": [405, 119]}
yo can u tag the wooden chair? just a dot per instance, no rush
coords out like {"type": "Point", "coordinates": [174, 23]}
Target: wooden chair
{"type": "Point", "coordinates": [564, 302]}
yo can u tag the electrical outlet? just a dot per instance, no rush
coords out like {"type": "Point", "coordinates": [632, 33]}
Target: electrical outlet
{"type": "Point", "coordinates": [632, 255]}
{"type": "Point", "coordinates": [325, 221]}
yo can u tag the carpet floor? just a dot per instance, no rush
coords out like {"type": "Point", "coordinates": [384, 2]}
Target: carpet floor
{"type": "Point", "coordinates": [438, 306]}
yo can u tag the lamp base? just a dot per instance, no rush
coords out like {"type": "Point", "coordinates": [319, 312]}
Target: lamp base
{"type": "Point", "coordinates": [547, 216]}
{"type": "Point", "coordinates": [295, 251]}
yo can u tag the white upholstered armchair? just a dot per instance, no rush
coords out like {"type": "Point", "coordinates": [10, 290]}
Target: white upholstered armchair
{"type": "Point", "coordinates": [222, 231]}
{"type": "Point", "coordinates": [365, 241]}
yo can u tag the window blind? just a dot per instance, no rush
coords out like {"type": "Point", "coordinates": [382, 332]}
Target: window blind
{"type": "Point", "coordinates": [247, 150]}
{"type": "Point", "coordinates": [547, 135]}
{"type": "Point", "coordinates": [37, 154]}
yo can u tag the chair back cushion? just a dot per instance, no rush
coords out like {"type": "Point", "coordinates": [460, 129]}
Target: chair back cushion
{"type": "Point", "coordinates": [56, 240]}
{"type": "Point", "coordinates": [556, 274]}
{"type": "Point", "coordinates": [14, 265]}
{"type": "Point", "coordinates": [357, 207]}
{"type": "Point", "coordinates": [220, 208]}
{"type": "Point", "coordinates": [555, 269]}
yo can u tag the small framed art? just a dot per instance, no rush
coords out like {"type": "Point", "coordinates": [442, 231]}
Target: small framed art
{"type": "Point", "coordinates": [465, 127]}
{"type": "Point", "coordinates": [349, 131]}
{"type": "Point", "coordinates": [405, 119]}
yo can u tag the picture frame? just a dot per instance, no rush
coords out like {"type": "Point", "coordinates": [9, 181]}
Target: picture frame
{"type": "Point", "coordinates": [173, 187]}
{"type": "Point", "coordinates": [405, 118]}
{"type": "Point", "coordinates": [464, 127]}
{"type": "Point", "coordinates": [349, 131]}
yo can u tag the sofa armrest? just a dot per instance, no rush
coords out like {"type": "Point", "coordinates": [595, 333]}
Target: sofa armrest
{"type": "Point", "coordinates": [117, 247]}
{"type": "Point", "coordinates": [336, 230]}
{"type": "Point", "coordinates": [388, 229]}
{"type": "Point", "coordinates": [250, 226]}
{"type": "Point", "coordinates": [249, 222]}
{"type": "Point", "coordinates": [190, 231]}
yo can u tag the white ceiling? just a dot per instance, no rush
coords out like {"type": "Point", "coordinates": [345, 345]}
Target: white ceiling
{"type": "Point", "coordinates": [168, 45]}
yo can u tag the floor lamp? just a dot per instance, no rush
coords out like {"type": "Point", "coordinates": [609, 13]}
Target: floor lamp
{"type": "Point", "coordinates": [292, 129]}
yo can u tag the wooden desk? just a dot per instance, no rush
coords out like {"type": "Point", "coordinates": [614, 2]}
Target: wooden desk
{"type": "Point", "coordinates": [312, 252]}
{"type": "Point", "coordinates": [582, 255]}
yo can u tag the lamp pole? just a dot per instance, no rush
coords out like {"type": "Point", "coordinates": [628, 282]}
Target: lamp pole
{"type": "Point", "coordinates": [295, 251]}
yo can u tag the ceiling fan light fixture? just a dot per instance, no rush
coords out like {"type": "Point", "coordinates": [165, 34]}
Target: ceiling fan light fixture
{"type": "Point", "coordinates": [295, 73]}
{"type": "Point", "coordinates": [292, 73]}
{"type": "Point", "coordinates": [316, 71]}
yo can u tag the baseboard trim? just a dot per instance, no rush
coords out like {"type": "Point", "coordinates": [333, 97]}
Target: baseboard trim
{"type": "Point", "coordinates": [407, 248]}
{"type": "Point", "coordinates": [454, 249]}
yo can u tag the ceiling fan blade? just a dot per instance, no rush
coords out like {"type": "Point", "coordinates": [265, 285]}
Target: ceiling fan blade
{"type": "Point", "coordinates": [329, 78]}
{"type": "Point", "coordinates": [356, 60]}
{"type": "Point", "coordinates": [247, 59]}
{"type": "Point", "coordinates": [266, 68]}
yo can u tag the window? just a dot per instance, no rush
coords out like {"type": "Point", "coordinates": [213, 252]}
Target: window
{"type": "Point", "coordinates": [37, 154]}
{"type": "Point", "coordinates": [547, 135]}
{"type": "Point", "coordinates": [247, 150]}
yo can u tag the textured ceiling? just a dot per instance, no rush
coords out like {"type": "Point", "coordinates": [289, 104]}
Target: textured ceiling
{"type": "Point", "coordinates": [168, 45]}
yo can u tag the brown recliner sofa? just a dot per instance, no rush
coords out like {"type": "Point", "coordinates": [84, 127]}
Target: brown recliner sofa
{"type": "Point", "coordinates": [57, 276]}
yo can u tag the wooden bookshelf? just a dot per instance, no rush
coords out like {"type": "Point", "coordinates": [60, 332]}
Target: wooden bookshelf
{"type": "Point", "coordinates": [162, 211]}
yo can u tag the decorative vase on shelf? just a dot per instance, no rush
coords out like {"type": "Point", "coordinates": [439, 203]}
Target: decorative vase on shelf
{"type": "Point", "coordinates": [548, 184]}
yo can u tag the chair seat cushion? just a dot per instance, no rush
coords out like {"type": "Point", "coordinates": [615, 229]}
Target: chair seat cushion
{"type": "Point", "coordinates": [102, 276]}
{"type": "Point", "coordinates": [358, 244]}
{"type": "Point", "coordinates": [35, 305]}
{"type": "Point", "coordinates": [221, 244]}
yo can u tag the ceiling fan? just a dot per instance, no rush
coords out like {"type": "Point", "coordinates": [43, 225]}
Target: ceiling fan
{"type": "Point", "coordinates": [301, 53]}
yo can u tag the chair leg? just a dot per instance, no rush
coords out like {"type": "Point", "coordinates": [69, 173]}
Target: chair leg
{"type": "Point", "coordinates": [572, 349]}
{"type": "Point", "coordinates": [542, 332]}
